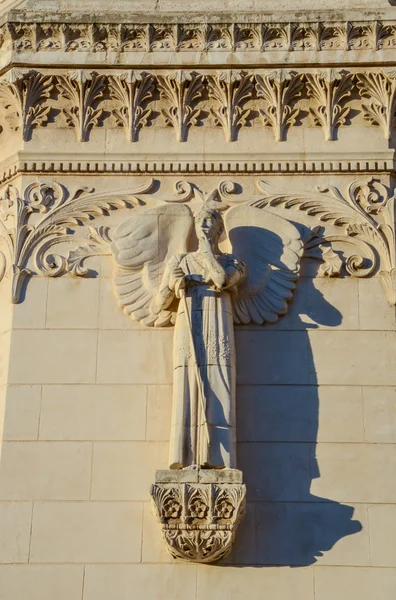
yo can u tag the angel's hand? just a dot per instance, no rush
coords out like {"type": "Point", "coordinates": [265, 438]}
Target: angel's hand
{"type": "Point", "coordinates": [175, 276]}
{"type": "Point", "coordinates": [180, 287]}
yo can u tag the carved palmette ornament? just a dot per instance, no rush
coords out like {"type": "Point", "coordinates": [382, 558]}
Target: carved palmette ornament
{"type": "Point", "coordinates": [199, 520]}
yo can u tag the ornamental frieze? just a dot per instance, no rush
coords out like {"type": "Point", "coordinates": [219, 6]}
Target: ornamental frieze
{"type": "Point", "coordinates": [134, 99]}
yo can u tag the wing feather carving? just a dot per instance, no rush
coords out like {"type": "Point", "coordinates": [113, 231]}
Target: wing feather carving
{"type": "Point", "coordinates": [272, 248]}
{"type": "Point", "coordinates": [141, 247]}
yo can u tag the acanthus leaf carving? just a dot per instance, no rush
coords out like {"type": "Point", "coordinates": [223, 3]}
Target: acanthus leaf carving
{"type": "Point", "coordinates": [230, 90]}
{"type": "Point", "coordinates": [26, 240]}
{"type": "Point", "coordinates": [199, 520]}
{"type": "Point", "coordinates": [182, 90]}
{"type": "Point", "coordinates": [380, 90]}
{"type": "Point", "coordinates": [84, 90]}
{"type": "Point", "coordinates": [280, 89]}
{"type": "Point", "coordinates": [330, 89]}
{"type": "Point", "coordinates": [365, 215]}
{"type": "Point", "coordinates": [24, 93]}
{"type": "Point", "coordinates": [133, 89]}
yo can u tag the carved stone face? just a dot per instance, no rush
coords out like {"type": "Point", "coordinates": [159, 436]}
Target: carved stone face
{"type": "Point", "coordinates": [208, 224]}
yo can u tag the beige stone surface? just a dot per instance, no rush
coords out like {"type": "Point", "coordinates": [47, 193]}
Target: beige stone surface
{"type": "Point", "coordinates": [93, 412]}
{"type": "Point", "coordinates": [125, 470]}
{"type": "Point", "coordinates": [65, 307]}
{"type": "Point", "coordinates": [375, 313]}
{"type": "Point", "coordinates": [21, 412]}
{"type": "Point", "coordinates": [35, 317]}
{"type": "Point", "coordinates": [379, 404]}
{"type": "Point", "coordinates": [382, 519]}
{"type": "Point", "coordinates": [39, 356]}
{"type": "Point", "coordinates": [151, 581]}
{"type": "Point", "coordinates": [103, 532]}
{"type": "Point", "coordinates": [15, 524]}
{"type": "Point", "coordinates": [363, 583]}
{"type": "Point", "coordinates": [145, 347]}
{"type": "Point", "coordinates": [42, 582]}
{"type": "Point", "coordinates": [45, 471]}
{"type": "Point", "coordinates": [215, 583]}
{"type": "Point", "coordinates": [159, 406]}
{"type": "Point", "coordinates": [350, 472]}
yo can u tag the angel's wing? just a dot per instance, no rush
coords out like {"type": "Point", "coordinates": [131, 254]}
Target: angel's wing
{"type": "Point", "coordinates": [141, 248]}
{"type": "Point", "coordinates": [272, 249]}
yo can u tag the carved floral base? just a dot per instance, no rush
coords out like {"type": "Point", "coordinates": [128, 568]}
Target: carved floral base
{"type": "Point", "coordinates": [199, 511]}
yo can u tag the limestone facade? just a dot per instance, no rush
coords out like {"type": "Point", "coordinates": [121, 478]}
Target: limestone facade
{"type": "Point", "coordinates": [105, 110]}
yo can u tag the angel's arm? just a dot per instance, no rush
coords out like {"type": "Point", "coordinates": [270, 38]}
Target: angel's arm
{"type": "Point", "coordinates": [236, 272]}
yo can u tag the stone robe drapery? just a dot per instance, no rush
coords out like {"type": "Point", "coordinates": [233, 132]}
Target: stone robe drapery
{"type": "Point", "coordinates": [203, 428]}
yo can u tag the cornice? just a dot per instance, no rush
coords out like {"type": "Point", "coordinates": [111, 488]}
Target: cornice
{"type": "Point", "coordinates": [223, 42]}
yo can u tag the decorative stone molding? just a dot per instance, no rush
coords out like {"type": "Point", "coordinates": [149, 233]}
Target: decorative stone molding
{"type": "Point", "coordinates": [133, 89]}
{"type": "Point", "coordinates": [198, 37]}
{"type": "Point", "coordinates": [199, 512]}
{"type": "Point", "coordinates": [29, 97]}
{"type": "Point", "coordinates": [380, 91]}
{"type": "Point", "coordinates": [182, 90]}
{"type": "Point", "coordinates": [147, 165]}
{"type": "Point", "coordinates": [23, 94]}
{"type": "Point", "coordinates": [32, 224]}
{"type": "Point", "coordinates": [366, 217]}
{"type": "Point", "coordinates": [280, 89]}
{"type": "Point", "coordinates": [330, 88]}
{"type": "Point", "coordinates": [84, 97]}
{"type": "Point", "coordinates": [230, 90]}
{"type": "Point", "coordinates": [84, 90]}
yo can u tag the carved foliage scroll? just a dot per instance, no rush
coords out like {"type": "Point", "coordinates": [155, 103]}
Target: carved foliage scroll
{"type": "Point", "coordinates": [44, 216]}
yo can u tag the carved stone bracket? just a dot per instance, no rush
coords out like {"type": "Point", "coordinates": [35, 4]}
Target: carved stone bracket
{"type": "Point", "coordinates": [199, 511]}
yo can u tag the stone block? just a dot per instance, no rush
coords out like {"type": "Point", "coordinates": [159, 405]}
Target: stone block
{"type": "Point", "coordinates": [45, 471]}
{"type": "Point", "coordinates": [304, 533]}
{"type": "Point", "coordinates": [110, 314]}
{"type": "Point", "coordinates": [382, 520]}
{"type": "Point", "coordinates": [73, 303]}
{"type": "Point", "coordinates": [126, 470]}
{"type": "Point", "coordinates": [54, 356]}
{"type": "Point", "coordinates": [153, 545]}
{"type": "Point", "coordinates": [299, 413]}
{"type": "Point", "coordinates": [276, 471]}
{"type": "Point", "coordinates": [15, 524]}
{"type": "Point", "coordinates": [346, 357]}
{"type": "Point", "coordinates": [21, 412]}
{"type": "Point", "coordinates": [31, 313]}
{"type": "Point", "coordinates": [93, 412]}
{"type": "Point", "coordinates": [375, 311]}
{"type": "Point", "coordinates": [379, 410]}
{"type": "Point", "coordinates": [356, 472]}
{"type": "Point", "coordinates": [215, 583]}
{"type": "Point", "coordinates": [159, 410]}
{"type": "Point", "coordinates": [272, 357]}
{"type": "Point", "coordinates": [345, 583]}
{"type": "Point", "coordinates": [137, 357]}
{"type": "Point", "coordinates": [41, 582]}
{"type": "Point", "coordinates": [159, 582]}
{"type": "Point", "coordinates": [92, 532]}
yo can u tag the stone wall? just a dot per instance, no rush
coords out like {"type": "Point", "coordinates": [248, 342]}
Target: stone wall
{"type": "Point", "coordinates": [85, 395]}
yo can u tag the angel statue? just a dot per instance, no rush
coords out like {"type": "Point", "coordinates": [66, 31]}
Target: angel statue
{"type": "Point", "coordinates": [166, 275]}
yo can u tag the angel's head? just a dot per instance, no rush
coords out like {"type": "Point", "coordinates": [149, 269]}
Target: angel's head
{"type": "Point", "coordinates": [208, 223]}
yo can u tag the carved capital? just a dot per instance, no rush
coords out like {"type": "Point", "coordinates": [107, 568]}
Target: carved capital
{"type": "Point", "coordinates": [199, 518]}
